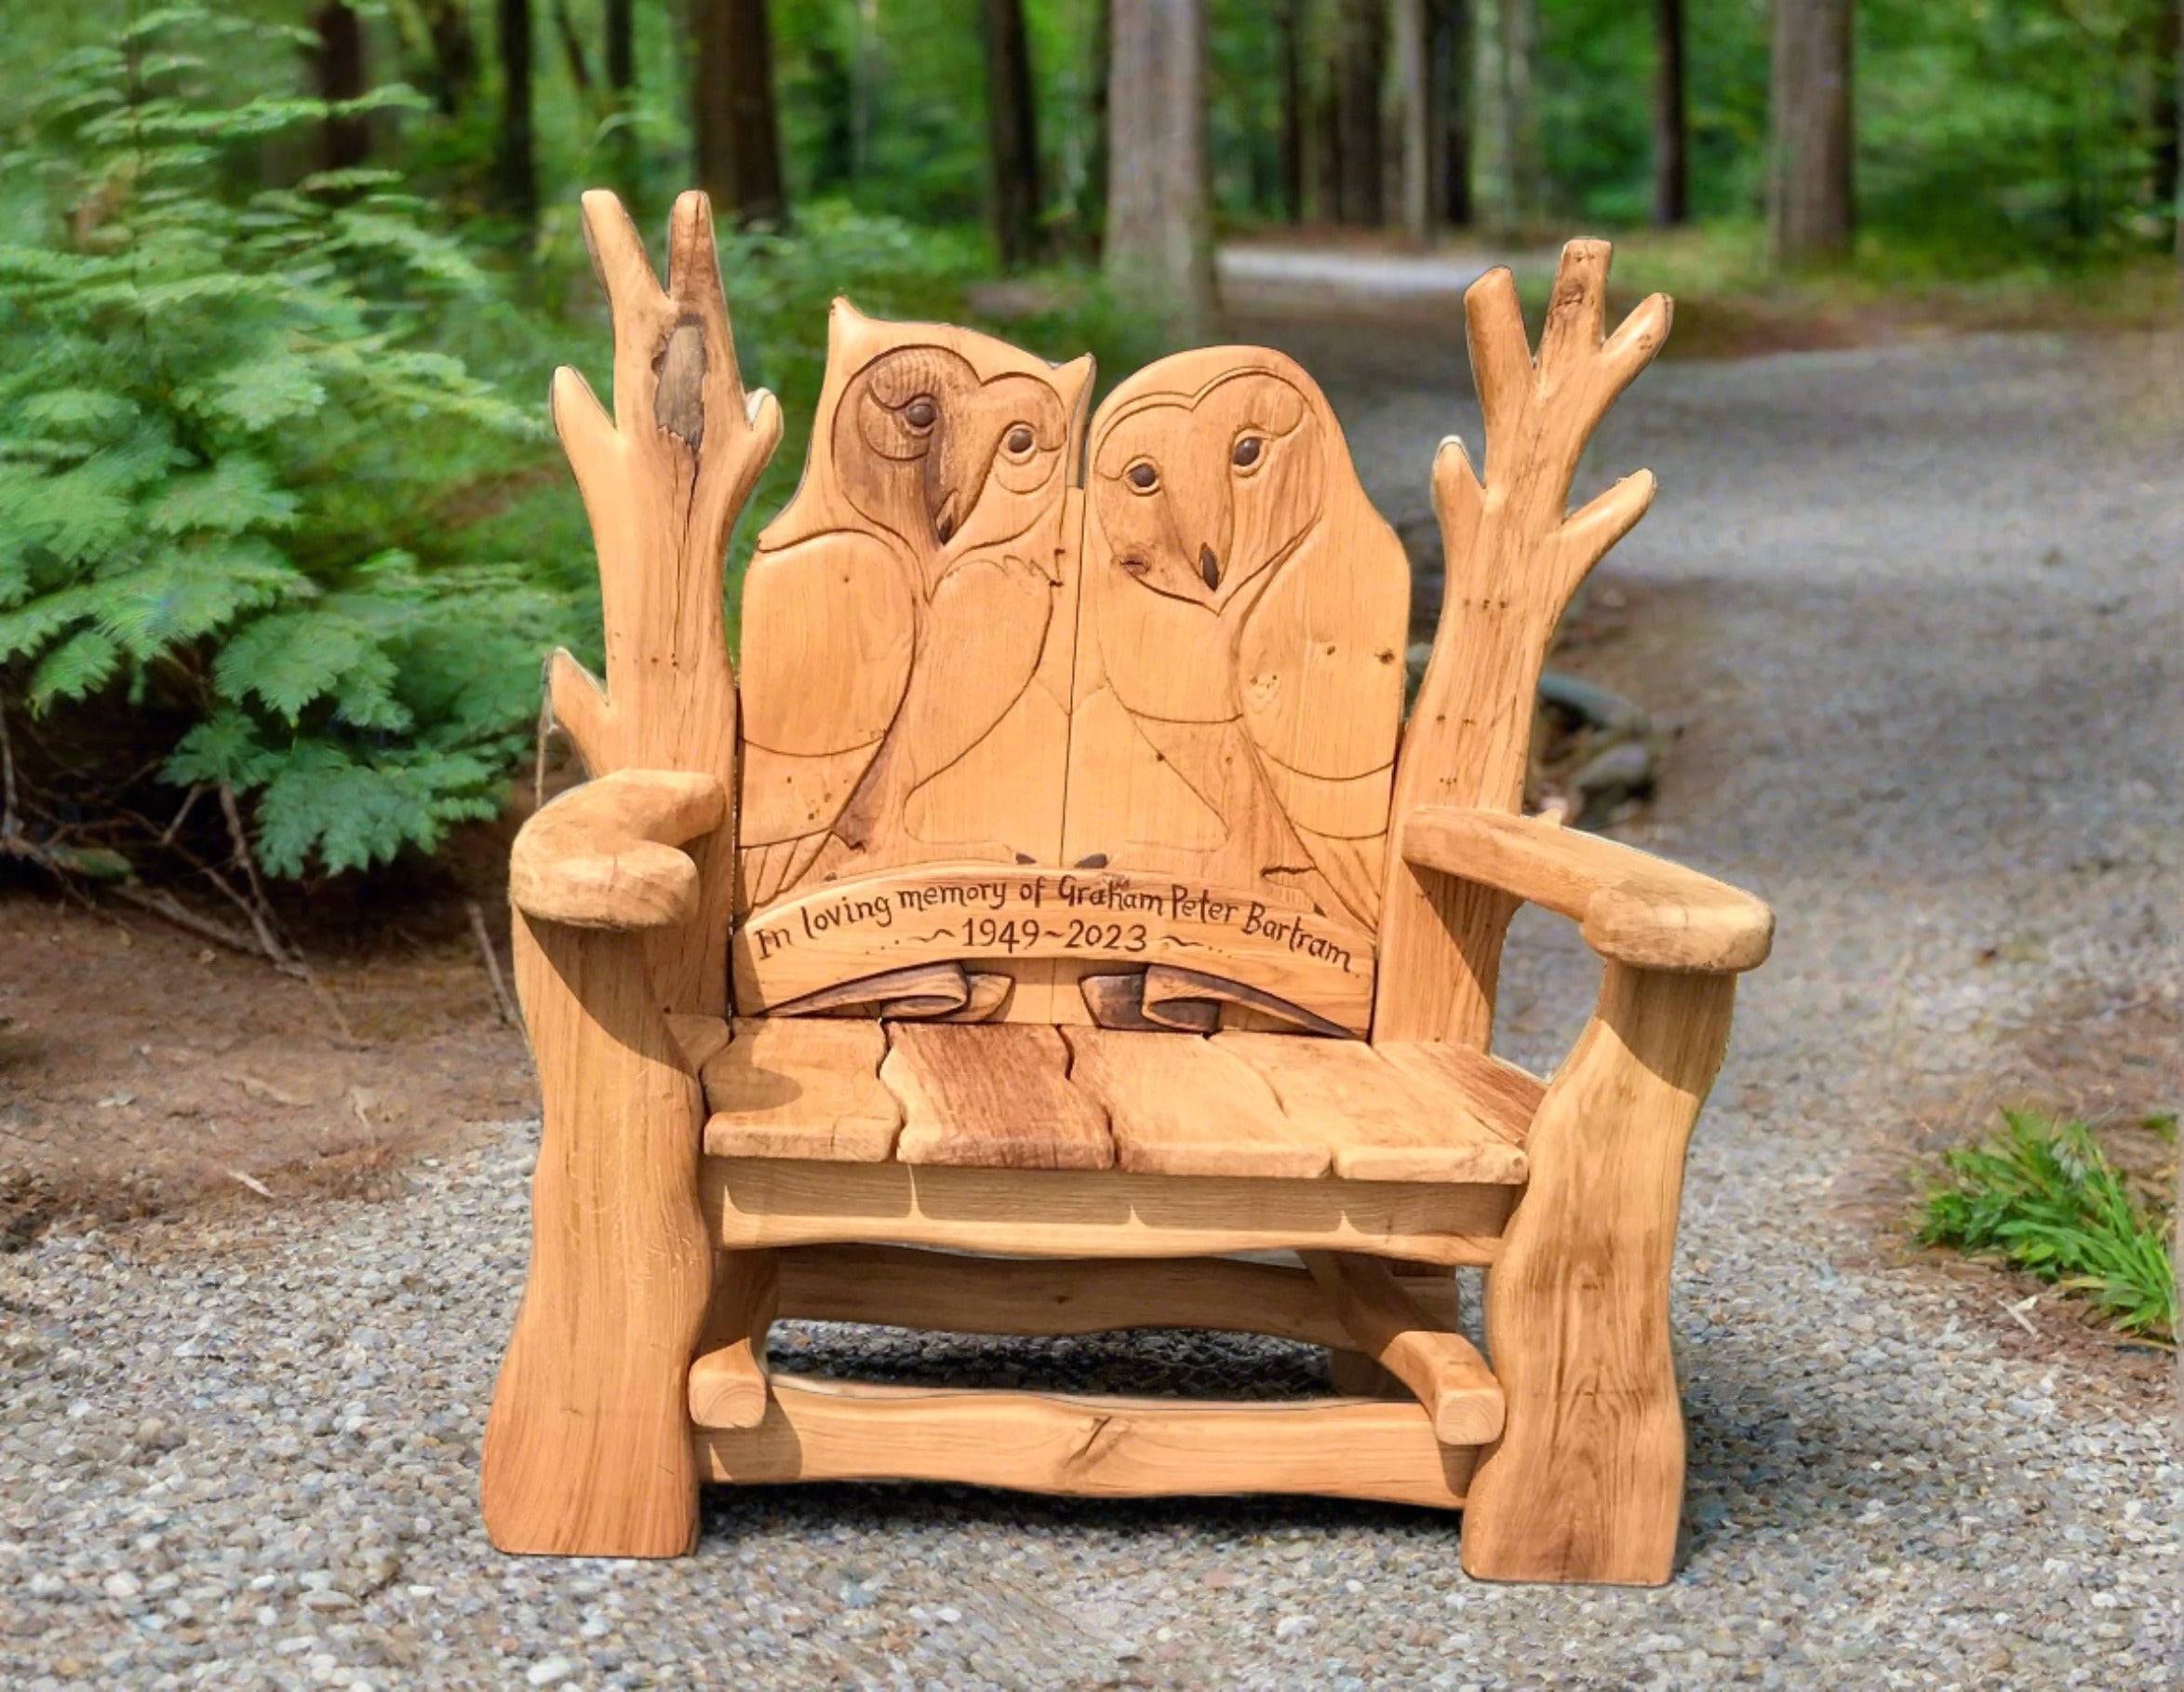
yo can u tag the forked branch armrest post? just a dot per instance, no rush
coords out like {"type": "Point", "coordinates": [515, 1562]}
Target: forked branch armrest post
{"type": "Point", "coordinates": [1577, 1302]}
{"type": "Point", "coordinates": [587, 1446]}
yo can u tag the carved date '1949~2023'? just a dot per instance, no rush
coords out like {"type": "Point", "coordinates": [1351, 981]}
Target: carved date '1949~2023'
{"type": "Point", "coordinates": [852, 928]}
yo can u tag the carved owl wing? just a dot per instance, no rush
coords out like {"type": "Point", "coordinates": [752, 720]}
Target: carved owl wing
{"type": "Point", "coordinates": [937, 480]}
{"type": "Point", "coordinates": [1319, 665]}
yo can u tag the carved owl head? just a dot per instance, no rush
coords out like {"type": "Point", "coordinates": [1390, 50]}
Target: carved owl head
{"type": "Point", "coordinates": [1200, 486]}
{"type": "Point", "coordinates": [952, 441]}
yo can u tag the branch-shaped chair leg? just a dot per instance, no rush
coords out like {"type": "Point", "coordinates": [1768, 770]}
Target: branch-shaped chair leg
{"type": "Point", "coordinates": [1586, 1482]}
{"type": "Point", "coordinates": [588, 1446]}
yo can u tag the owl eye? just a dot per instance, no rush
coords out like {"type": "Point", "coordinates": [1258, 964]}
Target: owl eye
{"type": "Point", "coordinates": [921, 412]}
{"type": "Point", "coordinates": [1019, 442]}
{"type": "Point", "coordinates": [1142, 477]}
{"type": "Point", "coordinates": [1248, 451]}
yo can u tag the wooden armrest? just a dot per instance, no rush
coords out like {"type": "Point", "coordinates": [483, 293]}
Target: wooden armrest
{"type": "Point", "coordinates": [1631, 905]}
{"type": "Point", "coordinates": [603, 855]}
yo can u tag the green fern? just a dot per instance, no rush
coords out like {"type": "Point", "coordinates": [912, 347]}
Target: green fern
{"type": "Point", "coordinates": [223, 454]}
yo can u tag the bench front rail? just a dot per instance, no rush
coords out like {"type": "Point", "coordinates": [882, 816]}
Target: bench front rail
{"type": "Point", "coordinates": [1009, 967]}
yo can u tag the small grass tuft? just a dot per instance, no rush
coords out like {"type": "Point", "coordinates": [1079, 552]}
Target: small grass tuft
{"type": "Point", "coordinates": [2043, 1197]}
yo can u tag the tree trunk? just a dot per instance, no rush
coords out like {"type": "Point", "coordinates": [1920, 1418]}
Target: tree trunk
{"type": "Point", "coordinates": [1809, 167]}
{"type": "Point", "coordinates": [2168, 104]}
{"type": "Point", "coordinates": [619, 20]}
{"type": "Point", "coordinates": [453, 77]}
{"type": "Point", "coordinates": [515, 167]}
{"type": "Point", "coordinates": [738, 137]}
{"type": "Point", "coordinates": [345, 142]}
{"type": "Point", "coordinates": [1414, 117]}
{"type": "Point", "coordinates": [1011, 134]}
{"type": "Point", "coordinates": [1450, 52]}
{"type": "Point", "coordinates": [1290, 21]}
{"type": "Point", "coordinates": [1519, 36]}
{"type": "Point", "coordinates": [1159, 249]}
{"type": "Point", "coordinates": [573, 52]}
{"type": "Point", "coordinates": [1362, 62]}
{"type": "Point", "coordinates": [1671, 170]}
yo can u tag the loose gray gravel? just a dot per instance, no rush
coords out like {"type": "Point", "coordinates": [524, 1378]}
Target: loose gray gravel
{"type": "Point", "coordinates": [1914, 609]}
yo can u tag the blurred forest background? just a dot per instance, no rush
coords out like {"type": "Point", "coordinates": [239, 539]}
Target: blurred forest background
{"type": "Point", "coordinates": [283, 538]}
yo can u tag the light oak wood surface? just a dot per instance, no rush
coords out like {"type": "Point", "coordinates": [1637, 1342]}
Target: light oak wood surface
{"type": "Point", "coordinates": [948, 1292]}
{"type": "Point", "coordinates": [993, 1098]}
{"type": "Point", "coordinates": [1630, 905]}
{"type": "Point", "coordinates": [1380, 1121]}
{"type": "Point", "coordinates": [586, 1447]}
{"type": "Point", "coordinates": [770, 1202]}
{"type": "Point", "coordinates": [1587, 1483]}
{"type": "Point", "coordinates": [664, 481]}
{"type": "Point", "coordinates": [1096, 1448]}
{"type": "Point", "coordinates": [802, 1087]}
{"type": "Point", "coordinates": [1094, 929]}
{"type": "Point", "coordinates": [1019, 1096]}
{"type": "Point", "coordinates": [823, 949]}
{"type": "Point", "coordinates": [1240, 670]}
{"type": "Point", "coordinates": [1441, 1369]}
{"type": "Point", "coordinates": [727, 1377]}
{"type": "Point", "coordinates": [1514, 554]}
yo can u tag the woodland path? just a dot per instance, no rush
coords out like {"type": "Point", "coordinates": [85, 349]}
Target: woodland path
{"type": "Point", "coordinates": [1914, 611]}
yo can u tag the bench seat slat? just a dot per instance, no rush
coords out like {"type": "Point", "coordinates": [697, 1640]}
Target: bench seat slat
{"type": "Point", "coordinates": [1015, 1095]}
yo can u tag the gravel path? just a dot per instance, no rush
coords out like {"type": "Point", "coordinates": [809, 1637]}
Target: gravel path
{"type": "Point", "coordinates": [1912, 607]}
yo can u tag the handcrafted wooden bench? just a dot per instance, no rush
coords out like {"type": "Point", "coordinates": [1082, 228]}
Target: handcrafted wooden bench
{"type": "Point", "coordinates": [1063, 921]}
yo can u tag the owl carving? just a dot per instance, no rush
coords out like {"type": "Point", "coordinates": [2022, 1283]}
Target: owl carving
{"type": "Point", "coordinates": [1240, 680]}
{"type": "Point", "coordinates": [909, 618]}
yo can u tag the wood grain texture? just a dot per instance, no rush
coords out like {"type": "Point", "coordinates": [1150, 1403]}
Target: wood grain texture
{"type": "Point", "coordinates": [606, 855]}
{"type": "Point", "coordinates": [1586, 1482]}
{"type": "Point", "coordinates": [1096, 1447]}
{"type": "Point", "coordinates": [664, 481]}
{"type": "Point", "coordinates": [1240, 671]}
{"type": "Point", "coordinates": [1633, 906]}
{"type": "Point", "coordinates": [769, 1202]}
{"type": "Point", "coordinates": [991, 1097]}
{"type": "Point", "coordinates": [588, 1446]}
{"type": "Point", "coordinates": [1514, 554]}
{"type": "Point", "coordinates": [801, 1087]}
{"type": "Point", "coordinates": [945, 1292]}
{"type": "Point", "coordinates": [1379, 1122]}
{"type": "Point", "coordinates": [1442, 1370]}
{"type": "Point", "coordinates": [910, 618]}
{"type": "Point", "coordinates": [812, 951]}
{"type": "Point", "coordinates": [727, 1377]}
{"type": "Point", "coordinates": [1180, 1106]}
{"type": "Point", "coordinates": [1495, 1092]}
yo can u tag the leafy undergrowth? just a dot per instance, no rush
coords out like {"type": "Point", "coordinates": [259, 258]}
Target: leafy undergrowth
{"type": "Point", "coordinates": [2043, 1197]}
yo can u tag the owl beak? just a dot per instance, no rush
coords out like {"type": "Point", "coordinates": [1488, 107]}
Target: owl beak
{"type": "Point", "coordinates": [944, 518]}
{"type": "Point", "coordinates": [1210, 568]}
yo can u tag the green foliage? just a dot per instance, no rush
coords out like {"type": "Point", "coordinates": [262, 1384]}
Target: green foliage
{"type": "Point", "coordinates": [222, 479]}
{"type": "Point", "coordinates": [2043, 1197]}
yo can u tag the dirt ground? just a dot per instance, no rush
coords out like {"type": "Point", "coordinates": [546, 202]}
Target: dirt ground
{"type": "Point", "coordinates": [142, 1069]}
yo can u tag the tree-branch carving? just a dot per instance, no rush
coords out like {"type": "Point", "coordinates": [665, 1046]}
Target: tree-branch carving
{"type": "Point", "coordinates": [664, 481]}
{"type": "Point", "coordinates": [1514, 554]}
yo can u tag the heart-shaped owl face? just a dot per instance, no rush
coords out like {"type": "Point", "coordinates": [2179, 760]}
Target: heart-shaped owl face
{"type": "Point", "coordinates": [1198, 492]}
{"type": "Point", "coordinates": [945, 460]}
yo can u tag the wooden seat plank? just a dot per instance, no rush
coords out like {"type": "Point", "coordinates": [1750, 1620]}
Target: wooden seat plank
{"type": "Point", "coordinates": [801, 1087]}
{"type": "Point", "coordinates": [1500, 1094]}
{"type": "Point", "coordinates": [1381, 1122]}
{"type": "Point", "coordinates": [992, 1096]}
{"type": "Point", "coordinates": [1180, 1105]}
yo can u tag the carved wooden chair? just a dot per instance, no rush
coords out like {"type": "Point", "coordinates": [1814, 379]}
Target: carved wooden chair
{"type": "Point", "coordinates": [1062, 922]}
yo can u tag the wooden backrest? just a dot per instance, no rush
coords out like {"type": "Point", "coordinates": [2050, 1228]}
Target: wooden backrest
{"type": "Point", "coordinates": [1053, 721]}
{"type": "Point", "coordinates": [1053, 724]}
